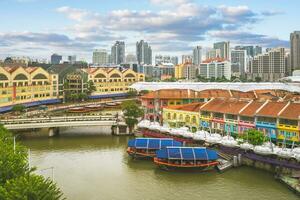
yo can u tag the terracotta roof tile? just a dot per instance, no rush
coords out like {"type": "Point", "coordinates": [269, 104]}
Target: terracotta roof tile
{"type": "Point", "coordinates": [228, 106]}
{"type": "Point", "coordinates": [192, 107]}
{"type": "Point", "coordinates": [251, 109]}
{"type": "Point", "coordinates": [271, 109]}
{"type": "Point", "coordinates": [292, 111]}
{"type": "Point", "coordinates": [30, 69]}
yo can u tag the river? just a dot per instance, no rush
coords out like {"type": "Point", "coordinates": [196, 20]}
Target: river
{"type": "Point", "coordinates": [97, 167]}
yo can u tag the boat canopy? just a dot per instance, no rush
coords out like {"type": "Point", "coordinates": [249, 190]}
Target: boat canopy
{"type": "Point", "coordinates": [187, 153]}
{"type": "Point", "coordinates": [153, 143]}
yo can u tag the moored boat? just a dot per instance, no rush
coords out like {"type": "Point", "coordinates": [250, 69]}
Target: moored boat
{"type": "Point", "coordinates": [78, 110]}
{"type": "Point", "coordinates": [146, 147]}
{"type": "Point", "coordinates": [94, 107]}
{"type": "Point", "coordinates": [186, 158]}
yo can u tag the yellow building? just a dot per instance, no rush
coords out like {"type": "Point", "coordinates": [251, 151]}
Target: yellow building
{"type": "Point", "coordinates": [25, 85]}
{"type": "Point", "coordinates": [183, 115]}
{"type": "Point", "coordinates": [112, 81]}
{"type": "Point", "coordinates": [185, 71]}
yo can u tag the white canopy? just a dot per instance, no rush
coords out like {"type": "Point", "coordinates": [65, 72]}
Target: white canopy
{"type": "Point", "coordinates": [200, 86]}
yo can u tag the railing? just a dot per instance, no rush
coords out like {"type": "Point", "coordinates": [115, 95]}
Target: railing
{"type": "Point", "coordinates": [270, 124]}
{"type": "Point", "coordinates": [291, 127]}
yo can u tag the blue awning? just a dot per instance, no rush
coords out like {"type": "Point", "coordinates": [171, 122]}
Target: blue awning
{"type": "Point", "coordinates": [187, 153]}
{"type": "Point", "coordinates": [153, 143]}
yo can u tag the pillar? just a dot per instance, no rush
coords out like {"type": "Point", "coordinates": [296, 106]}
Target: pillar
{"type": "Point", "coordinates": [51, 132]}
{"type": "Point", "coordinates": [127, 130]}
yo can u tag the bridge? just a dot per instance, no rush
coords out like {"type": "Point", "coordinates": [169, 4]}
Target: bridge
{"type": "Point", "coordinates": [54, 123]}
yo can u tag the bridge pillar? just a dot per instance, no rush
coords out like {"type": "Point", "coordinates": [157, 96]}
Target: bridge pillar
{"type": "Point", "coordinates": [127, 130]}
{"type": "Point", "coordinates": [53, 132]}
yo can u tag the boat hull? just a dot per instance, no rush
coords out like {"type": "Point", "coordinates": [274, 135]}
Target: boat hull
{"type": "Point", "coordinates": [198, 167]}
{"type": "Point", "coordinates": [139, 155]}
{"type": "Point", "coordinates": [155, 134]}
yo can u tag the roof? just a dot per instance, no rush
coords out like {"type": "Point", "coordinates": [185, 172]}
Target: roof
{"type": "Point", "coordinates": [201, 86]}
{"type": "Point", "coordinates": [153, 143]}
{"type": "Point", "coordinates": [228, 106]}
{"type": "Point", "coordinates": [271, 109]}
{"type": "Point", "coordinates": [187, 153]}
{"type": "Point", "coordinates": [192, 107]}
{"type": "Point", "coordinates": [251, 109]}
{"type": "Point", "coordinates": [292, 111]}
{"type": "Point", "coordinates": [217, 59]}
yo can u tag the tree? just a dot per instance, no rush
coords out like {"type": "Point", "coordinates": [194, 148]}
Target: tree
{"type": "Point", "coordinates": [91, 87]}
{"type": "Point", "coordinates": [253, 136]}
{"type": "Point", "coordinates": [18, 108]}
{"type": "Point", "coordinates": [132, 93]}
{"type": "Point", "coordinates": [131, 112]}
{"type": "Point", "coordinates": [258, 79]}
{"type": "Point", "coordinates": [17, 180]}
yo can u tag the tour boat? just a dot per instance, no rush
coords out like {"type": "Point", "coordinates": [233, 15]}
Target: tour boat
{"type": "Point", "coordinates": [186, 158]}
{"type": "Point", "coordinates": [77, 110]}
{"type": "Point", "coordinates": [94, 107]}
{"type": "Point", "coordinates": [146, 147]}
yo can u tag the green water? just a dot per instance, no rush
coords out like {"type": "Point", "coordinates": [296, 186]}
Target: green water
{"type": "Point", "coordinates": [97, 167]}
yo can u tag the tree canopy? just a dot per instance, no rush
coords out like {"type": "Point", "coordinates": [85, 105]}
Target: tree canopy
{"type": "Point", "coordinates": [131, 112]}
{"type": "Point", "coordinates": [17, 180]}
{"type": "Point", "coordinates": [253, 136]}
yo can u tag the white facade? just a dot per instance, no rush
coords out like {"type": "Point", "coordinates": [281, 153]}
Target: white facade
{"type": "Point", "coordinates": [100, 57]}
{"type": "Point", "coordinates": [197, 55]}
{"type": "Point", "coordinates": [238, 62]}
{"type": "Point", "coordinates": [215, 70]}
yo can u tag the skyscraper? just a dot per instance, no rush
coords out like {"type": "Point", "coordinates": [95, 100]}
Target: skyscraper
{"type": "Point", "coordinates": [187, 59]}
{"type": "Point", "coordinates": [174, 60]}
{"type": "Point", "coordinates": [118, 53]}
{"type": "Point", "coordinates": [197, 55]}
{"type": "Point", "coordinates": [269, 66]}
{"type": "Point", "coordinates": [224, 49]}
{"type": "Point", "coordinates": [295, 50]}
{"type": "Point", "coordinates": [100, 57]}
{"type": "Point", "coordinates": [72, 59]}
{"type": "Point", "coordinates": [143, 53]}
{"type": "Point", "coordinates": [55, 59]}
{"type": "Point", "coordinates": [257, 50]}
{"type": "Point", "coordinates": [238, 62]}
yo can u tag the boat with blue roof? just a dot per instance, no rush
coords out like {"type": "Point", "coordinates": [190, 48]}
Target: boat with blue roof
{"type": "Point", "coordinates": [146, 147]}
{"type": "Point", "coordinates": [186, 158]}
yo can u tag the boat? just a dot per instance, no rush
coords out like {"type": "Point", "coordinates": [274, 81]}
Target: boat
{"type": "Point", "coordinates": [94, 107]}
{"type": "Point", "coordinates": [146, 147]}
{"type": "Point", "coordinates": [77, 110]}
{"type": "Point", "coordinates": [111, 105]}
{"type": "Point", "coordinates": [186, 158]}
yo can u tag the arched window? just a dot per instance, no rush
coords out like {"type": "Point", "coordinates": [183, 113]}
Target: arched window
{"type": "Point", "coordinates": [174, 116]}
{"type": "Point", "coordinates": [194, 119]}
{"type": "Point", "coordinates": [115, 76]}
{"type": "Point", "coordinates": [129, 76]}
{"type": "Point", "coordinates": [180, 117]}
{"type": "Point", "coordinates": [40, 76]}
{"type": "Point", "coordinates": [3, 77]}
{"type": "Point", "coordinates": [100, 76]}
{"type": "Point", "coordinates": [169, 115]}
{"type": "Point", "coordinates": [187, 118]}
{"type": "Point", "coordinates": [21, 77]}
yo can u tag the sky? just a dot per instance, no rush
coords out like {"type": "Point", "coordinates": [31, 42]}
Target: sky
{"type": "Point", "coordinates": [38, 28]}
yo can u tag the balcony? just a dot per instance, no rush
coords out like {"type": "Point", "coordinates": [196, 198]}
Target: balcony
{"type": "Point", "coordinates": [246, 123]}
{"type": "Point", "coordinates": [233, 121]}
{"type": "Point", "coordinates": [289, 127]}
{"type": "Point", "coordinates": [266, 124]}
{"type": "Point", "coordinates": [205, 117]}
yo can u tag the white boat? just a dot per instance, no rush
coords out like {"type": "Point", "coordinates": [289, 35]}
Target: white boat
{"type": "Point", "coordinates": [229, 141]}
{"type": "Point", "coordinates": [246, 146]}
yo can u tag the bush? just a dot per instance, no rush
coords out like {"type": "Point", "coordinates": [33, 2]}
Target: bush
{"type": "Point", "coordinates": [254, 137]}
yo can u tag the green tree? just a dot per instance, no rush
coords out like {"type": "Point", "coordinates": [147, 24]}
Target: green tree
{"type": "Point", "coordinates": [18, 108]}
{"type": "Point", "coordinates": [253, 136]}
{"type": "Point", "coordinates": [17, 180]}
{"type": "Point", "coordinates": [131, 112]}
{"type": "Point", "coordinates": [132, 93]}
{"type": "Point", "coordinates": [90, 87]}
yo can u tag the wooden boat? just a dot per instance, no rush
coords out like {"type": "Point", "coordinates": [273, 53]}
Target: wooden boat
{"type": "Point", "coordinates": [146, 147]}
{"type": "Point", "coordinates": [111, 105]}
{"type": "Point", "coordinates": [94, 107]}
{"type": "Point", "coordinates": [199, 158]}
{"type": "Point", "coordinates": [157, 134]}
{"type": "Point", "coordinates": [77, 110]}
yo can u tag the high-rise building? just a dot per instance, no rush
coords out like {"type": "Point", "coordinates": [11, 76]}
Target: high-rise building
{"type": "Point", "coordinates": [249, 49]}
{"type": "Point", "coordinates": [213, 53]}
{"type": "Point", "coordinates": [238, 62]}
{"type": "Point", "coordinates": [185, 71]}
{"type": "Point", "coordinates": [224, 49]}
{"type": "Point", "coordinates": [72, 59]}
{"type": "Point", "coordinates": [187, 59]}
{"type": "Point", "coordinates": [269, 66]}
{"type": "Point", "coordinates": [174, 60]}
{"type": "Point", "coordinates": [197, 55]}
{"type": "Point", "coordinates": [295, 50]}
{"type": "Point", "coordinates": [118, 53]}
{"type": "Point", "coordinates": [143, 53]}
{"type": "Point", "coordinates": [257, 50]}
{"type": "Point", "coordinates": [100, 57]}
{"type": "Point", "coordinates": [131, 59]}
{"type": "Point", "coordinates": [55, 59]}
{"type": "Point", "coordinates": [215, 68]}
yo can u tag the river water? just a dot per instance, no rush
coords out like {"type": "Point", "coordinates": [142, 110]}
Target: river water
{"type": "Point", "coordinates": [97, 167]}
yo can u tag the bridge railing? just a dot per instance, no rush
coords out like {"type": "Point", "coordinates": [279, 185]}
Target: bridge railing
{"type": "Point", "coordinates": [58, 119]}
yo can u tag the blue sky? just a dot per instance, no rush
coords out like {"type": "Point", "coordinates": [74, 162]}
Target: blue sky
{"type": "Point", "coordinates": [38, 28]}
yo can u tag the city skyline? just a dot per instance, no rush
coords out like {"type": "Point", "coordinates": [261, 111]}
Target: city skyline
{"type": "Point", "coordinates": [174, 29]}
